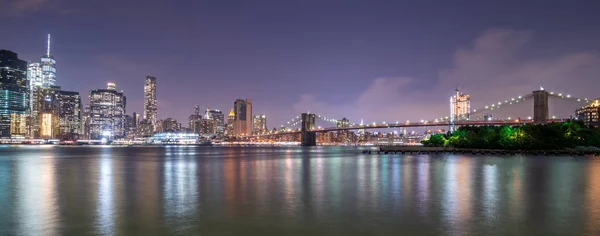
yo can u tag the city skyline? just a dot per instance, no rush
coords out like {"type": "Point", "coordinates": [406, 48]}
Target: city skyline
{"type": "Point", "coordinates": [390, 63]}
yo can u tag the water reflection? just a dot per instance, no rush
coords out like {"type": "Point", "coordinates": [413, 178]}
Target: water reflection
{"type": "Point", "coordinates": [278, 191]}
{"type": "Point", "coordinates": [37, 205]}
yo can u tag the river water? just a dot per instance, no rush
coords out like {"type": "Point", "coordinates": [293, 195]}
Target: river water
{"type": "Point", "coordinates": [52, 190]}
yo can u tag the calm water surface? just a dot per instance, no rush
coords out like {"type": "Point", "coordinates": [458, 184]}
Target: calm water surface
{"type": "Point", "coordinates": [291, 191]}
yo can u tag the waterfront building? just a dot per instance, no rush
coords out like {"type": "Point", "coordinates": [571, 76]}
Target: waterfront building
{"type": "Point", "coordinates": [69, 115]}
{"type": "Point", "coordinates": [259, 123]}
{"type": "Point", "coordinates": [590, 114]}
{"type": "Point", "coordinates": [174, 138]}
{"type": "Point", "coordinates": [460, 106]}
{"type": "Point", "coordinates": [107, 113]}
{"type": "Point", "coordinates": [150, 106]}
{"type": "Point", "coordinates": [14, 103]}
{"type": "Point", "coordinates": [243, 117]}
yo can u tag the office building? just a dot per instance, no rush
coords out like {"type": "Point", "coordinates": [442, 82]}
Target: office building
{"type": "Point", "coordinates": [217, 116]}
{"type": "Point", "coordinates": [590, 113]}
{"type": "Point", "coordinates": [49, 109]}
{"type": "Point", "coordinates": [69, 115]}
{"type": "Point", "coordinates": [460, 106]}
{"type": "Point", "coordinates": [107, 113]}
{"type": "Point", "coordinates": [169, 125]}
{"type": "Point", "coordinates": [14, 104]}
{"type": "Point", "coordinates": [259, 123]}
{"type": "Point", "coordinates": [243, 117]}
{"type": "Point", "coordinates": [208, 127]}
{"type": "Point", "coordinates": [136, 119]}
{"type": "Point", "coordinates": [35, 77]}
{"type": "Point", "coordinates": [145, 128]}
{"type": "Point", "coordinates": [150, 106]}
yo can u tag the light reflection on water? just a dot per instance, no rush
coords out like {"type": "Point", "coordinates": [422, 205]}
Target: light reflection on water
{"type": "Point", "coordinates": [301, 191]}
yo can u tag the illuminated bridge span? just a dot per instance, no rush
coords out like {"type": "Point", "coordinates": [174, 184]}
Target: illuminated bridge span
{"type": "Point", "coordinates": [308, 127]}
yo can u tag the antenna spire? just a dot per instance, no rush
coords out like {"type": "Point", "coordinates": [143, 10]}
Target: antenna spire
{"type": "Point", "coordinates": [48, 50]}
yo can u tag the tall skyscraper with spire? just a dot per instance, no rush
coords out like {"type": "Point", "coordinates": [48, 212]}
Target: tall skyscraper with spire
{"type": "Point", "coordinates": [48, 68]}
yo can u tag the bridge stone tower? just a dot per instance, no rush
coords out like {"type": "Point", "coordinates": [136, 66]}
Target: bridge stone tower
{"type": "Point", "coordinates": [540, 107]}
{"type": "Point", "coordinates": [308, 138]}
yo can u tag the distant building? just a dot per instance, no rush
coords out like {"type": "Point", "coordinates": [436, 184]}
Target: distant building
{"type": "Point", "coordinates": [590, 114]}
{"type": "Point", "coordinates": [145, 128]}
{"type": "Point", "coordinates": [69, 115]}
{"type": "Point", "coordinates": [136, 119]}
{"type": "Point", "coordinates": [260, 124]}
{"type": "Point", "coordinates": [230, 122]}
{"type": "Point", "coordinates": [107, 113]}
{"type": "Point", "coordinates": [208, 127]}
{"type": "Point", "coordinates": [49, 112]}
{"type": "Point", "coordinates": [460, 106]}
{"type": "Point", "coordinates": [14, 104]}
{"type": "Point", "coordinates": [35, 78]}
{"type": "Point", "coordinates": [343, 135]}
{"type": "Point", "coordinates": [150, 106]}
{"type": "Point", "coordinates": [193, 123]}
{"type": "Point", "coordinates": [343, 123]}
{"type": "Point", "coordinates": [170, 125]}
{"type": "Point", "coordinates": [196, 110]}
{"type": "Point", "coordinates": [217, 116]}
{"type": "Point", "coordinates": [243, 117]}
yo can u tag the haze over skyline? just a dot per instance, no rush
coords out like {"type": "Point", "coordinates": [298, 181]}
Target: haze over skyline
{"type": "Point", "coordinates": [371, 60]}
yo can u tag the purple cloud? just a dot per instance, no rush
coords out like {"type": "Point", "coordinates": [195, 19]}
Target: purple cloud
{"type": "Point", "coordinates": [499, 65]}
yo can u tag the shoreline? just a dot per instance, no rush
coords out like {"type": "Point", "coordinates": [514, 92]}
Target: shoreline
{"type": "Point", "coordinates": [477, 151]}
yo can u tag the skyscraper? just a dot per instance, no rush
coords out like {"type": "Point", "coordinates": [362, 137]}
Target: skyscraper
{"type": "Point", "coordinates": [219, 119]}
{"type": "Point", "coordinates": [260, 124]}
{"type": "Point", "coordinates": [107, 113]}
{"type": "Point", "coordinates": [35, 77]}
{"type": "Point", "coordinates": [460, 106]}
{"type": "Point", "coordinates": [13, 94]}
{"type": "Point", "coordinates": [243, 117]}
{"type": "Point", "coordinates": [150, 107]}
{"type": "Point", "coordinates": [48, 68]}
{"type": "Point", "coordinates": [70, 121]}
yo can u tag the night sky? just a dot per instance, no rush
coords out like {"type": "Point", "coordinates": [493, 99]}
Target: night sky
{"type": "Point", "coordinates": [376, 60]}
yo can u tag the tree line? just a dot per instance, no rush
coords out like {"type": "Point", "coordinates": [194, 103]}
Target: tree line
{"type": "Point", "coordinates": [568, 134]}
